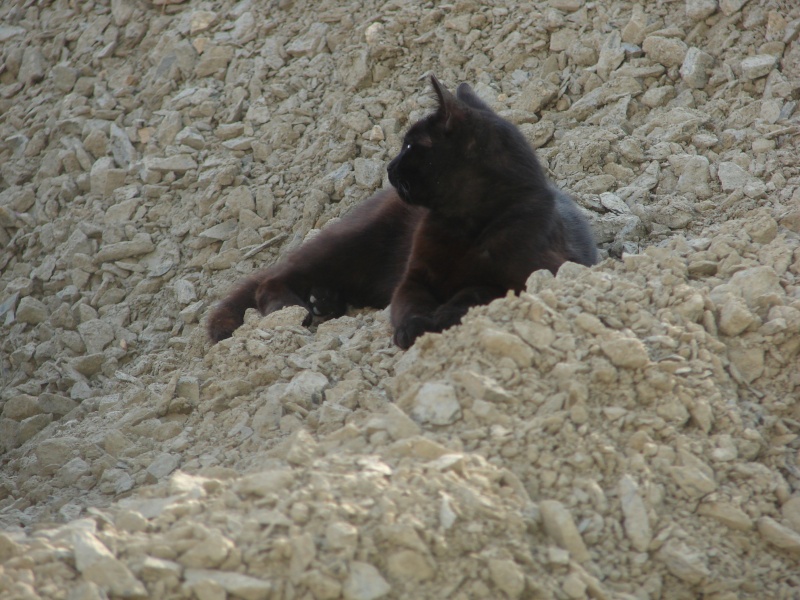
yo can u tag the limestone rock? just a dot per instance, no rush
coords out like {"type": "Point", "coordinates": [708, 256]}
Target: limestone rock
{"type": "Point", "coordinates": [670, 52]}
{"type": "Point", "coordinates": [754, 67]}
{"type": "Point", "coordinates": [97, 565]}
{"type": "Point", "coordinates": [559, 525]}
{"type": "Point", "coordinates": [779, 535]}
{"type": "Point", "coordinates": [683, 562]}
{"type": "Point", "coordinates": [236, 584]}
{"type": "Point", "coordinates": [696, 63]}
{"type": "Point", "coordinates": [637, 523]}
{"type": "Point", "coordinates": [436, 403]}
{"type": "Point", "coordinates": [364, 582]}
{"type": "Point", "coordinates": [625, 352]}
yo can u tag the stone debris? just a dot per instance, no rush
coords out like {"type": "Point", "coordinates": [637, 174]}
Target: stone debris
{"type": "Point", "coordinates": [624, 431]}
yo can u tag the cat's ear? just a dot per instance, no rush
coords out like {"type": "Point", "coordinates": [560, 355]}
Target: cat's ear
{"type": "Point", "coordinates": [451, 108]}
{"type": "Point", "coordinates": [468, 96]}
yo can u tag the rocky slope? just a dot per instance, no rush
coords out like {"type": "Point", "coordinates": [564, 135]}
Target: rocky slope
{"type": "Point", "coordinates": [626, 431]}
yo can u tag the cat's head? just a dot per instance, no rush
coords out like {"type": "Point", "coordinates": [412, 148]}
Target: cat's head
{"type": "Point", "coordinates": [453, 160]}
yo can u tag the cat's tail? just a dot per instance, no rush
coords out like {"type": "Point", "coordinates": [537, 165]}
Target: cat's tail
{"type": "Point", "coordinates": [228, 315]}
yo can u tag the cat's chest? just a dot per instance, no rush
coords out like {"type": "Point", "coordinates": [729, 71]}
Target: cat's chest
{"type": "Point", "coordinates": [452, 259]}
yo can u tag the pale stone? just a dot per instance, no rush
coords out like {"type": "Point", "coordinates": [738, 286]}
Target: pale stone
{"type": "Point", "coordinates": [21, 407]}
{"type": "Point", "coordinates": [154, 569]}
{"type": "Point", "coordinates": [625, 352]}
{"type": "Point", "coordinates": [559, 525]}
{"type": "Point", "coordinates": [322, 587]}
{"type": "Point", "coordinates": [141, 243]}
{"type": "Point", "coordinates": [265, 482]}
{"type": "Point", "coordinates": [306, 388]}
{"type": "Point", "coordinates": [398, 423]}
{"type": "Point", "coordinates": [727, 514]}
{"type": "Point", "coordinates": [611, 55]}
{"type": "Point", "coordinates": [693, 481]}
{"type": "Point", "coordinates": [508, 576]}
{"type": "Point", "coordinates": [302, 448]}
{"type": "Point", "coordinates": [637, 523]}
{"type": "Point", "coordinates": [734, 317]}
{"type": "Point", "coordinates": [756, 282]}
{"type": "Point", "coordinates": [201, 20]}
{"type": "Point", "coordinates": [779, 535]}
{"type": "Point", "coordinates": [574, 586]}
{"type": "Point", "coordinates": [732, 176]}
{"type": "Point", "coordinates": [634, 30]}
{"type": "Point", "coordinates": [482, 387]}
{"type": "Point", "coordinates": [236, 584]}
{"type": "Point", "coordinates": [130, 520]}
{"type": "Point", "coordinates": [53, 453]}
{"type": "Point", "coordinates": [303, 552]}
{"type": "Point", "coordinates": [207, 553]}
{"type": "Point", "coordinates": [683, 562]}
{"type": "Point", "coordinates": [96, 563]}
{"type": "Point", "coordinates": [670, 52]}
{"type": "Point", "coordinates": [213, 61]}
{"type": "Point", "coordinates": [221, 231]}
{"type": "Point", "coordinates": [757, 66]}
{"type": "Point", "coordinates": [163, 464]}
{"type": "Point", "coordinates": [178, 163]}
{"type": "Point", "coordinates": [104, 177]}
{"type": "Point", "coordinates": [537, 335]}
{"type": "Point", "coordinates": [309, 44]}
{"type": "Point", "coordinates": [729, 7]}
{"type": "Point", "coordinates": [364, 582]}
{"type": "Point", "coordinates": [508, 345]}
{"type": "Point", "coordinates": [694, 70]}
{"type": "Point", "coordinates": [694, 176]}
{"type": "Point", "coordinates": [436, 403]}
{"type": "Point", "coordinates": [790, 511]}
{"type": "Point", "coordinates": [535, 96]}
{"type": "Point", "coordinates": [409, 565]}
{"type": "Point", "coordinates": [368, 172]}
{"type": "Point", "coordinates": [8, 548]}
{"type": "Point", "coordinates": [698, 10]}
{"type": "Point", "coordinates": [31, 311]}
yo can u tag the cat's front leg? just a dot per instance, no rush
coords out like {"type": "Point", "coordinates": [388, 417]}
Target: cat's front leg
{"type": "Point", "coordinates": [451, 312]}
{"type": "Point", "coordinates": [406, 333]}
{"type": "Point", "coordinates": [412, 312]}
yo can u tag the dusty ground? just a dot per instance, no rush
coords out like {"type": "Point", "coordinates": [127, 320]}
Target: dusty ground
{"type": "Point", "coordinates": [626, 431]}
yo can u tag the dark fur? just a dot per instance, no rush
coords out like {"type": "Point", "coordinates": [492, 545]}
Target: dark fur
{"type": "Point", "coordinates": [470, 217]}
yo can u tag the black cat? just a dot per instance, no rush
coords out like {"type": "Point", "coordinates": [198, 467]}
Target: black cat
{"type": "Point", "coordinates": [470, 217]}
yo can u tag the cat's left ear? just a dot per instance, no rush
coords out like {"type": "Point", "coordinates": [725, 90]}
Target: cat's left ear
{"type": "Point", "coordinates": [452, 109]}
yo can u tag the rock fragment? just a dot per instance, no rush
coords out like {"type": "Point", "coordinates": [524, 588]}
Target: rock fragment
{"type": "Point", "coordinates": [436, 403]}
{"type": "Point", "coordinates": [757, 66]}
{"type": "Point", "coordinates": [560, 526]}
{"type": "Point", "coordinates": [98, 565]}
{"type": "Point", "coordinates": [670, 52]}
{"type": "Point", "coordinates": [779, 535]}
{"type": "Point", "coordinates": [364, 582]}
{"type": "Point", "coordinates": [637, 523]}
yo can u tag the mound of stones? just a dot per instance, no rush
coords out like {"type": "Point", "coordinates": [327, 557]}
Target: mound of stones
{"type": "Point", "coordinates": [625, 431]}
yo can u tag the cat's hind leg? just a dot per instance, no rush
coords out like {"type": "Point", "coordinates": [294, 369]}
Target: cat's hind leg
{"type": "Point", "coordinates": [228, 315]}
{"type": "Point", "coordinates": [267, 291]}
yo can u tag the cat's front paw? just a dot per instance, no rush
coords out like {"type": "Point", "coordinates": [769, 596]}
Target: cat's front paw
{"type": "Point", "coordinates": [410, 329]}
{"type": "Point", "coordinates": [222, 323]}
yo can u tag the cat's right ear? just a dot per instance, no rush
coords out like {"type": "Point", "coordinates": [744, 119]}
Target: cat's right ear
{"type": "Point", "coordinates": [468, 96]}
{"type": "Point", "coordinates": [451, 108]}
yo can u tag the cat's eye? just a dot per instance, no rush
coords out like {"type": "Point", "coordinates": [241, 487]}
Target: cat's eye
{"type": "Point", "coordinates": [408, 146]}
